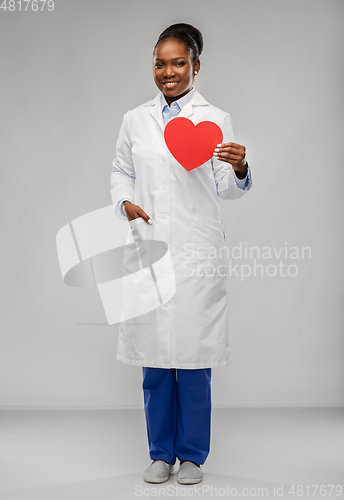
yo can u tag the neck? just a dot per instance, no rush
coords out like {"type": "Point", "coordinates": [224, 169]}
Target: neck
{"type": "Point", "coordinates": [170, 100]}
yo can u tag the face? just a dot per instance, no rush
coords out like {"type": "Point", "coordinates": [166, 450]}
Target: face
{"type": "Point", "coordinates": [173, 70]}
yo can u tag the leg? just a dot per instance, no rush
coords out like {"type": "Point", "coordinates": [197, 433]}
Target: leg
{"type": "Point", "coordinates": [194, 415]}
{"type": "Point", "coordinates": [160, 401]}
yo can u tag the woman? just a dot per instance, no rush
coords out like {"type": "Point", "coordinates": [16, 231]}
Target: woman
{"type": "Point", "coordinates": [178, 343]}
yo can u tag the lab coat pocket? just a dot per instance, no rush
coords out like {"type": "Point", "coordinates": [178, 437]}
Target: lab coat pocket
{"type": "Point", "coordinates": [141, 231]}
{"type": "Point", "coordinates": [209, 246]}
{"type": "Point", "coordinates": [139, 290]}
{"type": "Point", "coordinates": [135, 222]}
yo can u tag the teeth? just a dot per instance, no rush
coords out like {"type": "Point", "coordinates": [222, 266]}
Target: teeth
{"type": "Point", "coordinates": [170, 84]}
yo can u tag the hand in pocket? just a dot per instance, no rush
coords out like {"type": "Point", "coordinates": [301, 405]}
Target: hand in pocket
{"type": "Point", "coordinates": [135, 211]}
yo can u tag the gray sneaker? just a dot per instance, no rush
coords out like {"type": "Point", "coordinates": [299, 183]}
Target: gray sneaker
{"type": "Point", "coordinates": [158, 472]}
{"type": "Point", "coordinates": [189, 473]}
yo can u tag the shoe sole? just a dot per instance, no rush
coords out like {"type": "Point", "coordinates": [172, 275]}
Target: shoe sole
{"type": "Point", "coordinates": [189, 481]}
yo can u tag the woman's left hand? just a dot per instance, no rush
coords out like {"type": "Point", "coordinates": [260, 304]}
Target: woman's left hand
{"type": "Point", "coordinates": [233, 153]}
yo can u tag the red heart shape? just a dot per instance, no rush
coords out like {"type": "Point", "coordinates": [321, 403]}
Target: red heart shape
{"type": "Point", "coordinates": [192, 145]}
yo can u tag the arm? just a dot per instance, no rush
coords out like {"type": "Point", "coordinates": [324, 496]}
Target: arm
{"type": "Point", "coordinates": [123, 171]}
{"type": "Point", "coordinates": [244, 183]}
{"type": "Point", "coordinates": [228, 185]}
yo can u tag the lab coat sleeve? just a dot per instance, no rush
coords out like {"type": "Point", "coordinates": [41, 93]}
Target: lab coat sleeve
{"type": "Point", "coordinates": [121, 206]}
{"type": "Point", "coordinates": [123, 171]}
{"type": "Point", "coordinates": [244, 183]}
{"type": "Point", "coordinates": [225, 179]}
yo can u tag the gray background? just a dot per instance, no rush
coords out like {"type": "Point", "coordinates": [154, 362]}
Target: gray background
{"type": "Point", "coordinates": [68, 77]}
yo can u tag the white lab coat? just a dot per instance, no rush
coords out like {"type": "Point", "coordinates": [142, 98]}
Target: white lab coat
{"type": "Point", "coordinates": [191, 330]}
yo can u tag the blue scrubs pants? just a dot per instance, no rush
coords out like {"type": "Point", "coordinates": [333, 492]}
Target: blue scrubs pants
{"type": "Point", "coordinates": [178, 412]}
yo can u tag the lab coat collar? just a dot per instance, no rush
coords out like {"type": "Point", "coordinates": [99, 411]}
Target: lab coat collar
{"type": "Point", "coordinates": [197, 100]}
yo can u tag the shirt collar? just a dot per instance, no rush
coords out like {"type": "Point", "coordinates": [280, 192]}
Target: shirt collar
{"type": "Point", "coordinates": [180, 102]}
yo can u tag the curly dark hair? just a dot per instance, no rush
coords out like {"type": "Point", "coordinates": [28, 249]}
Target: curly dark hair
{"type": "Point", "coordinates": [188, 34]}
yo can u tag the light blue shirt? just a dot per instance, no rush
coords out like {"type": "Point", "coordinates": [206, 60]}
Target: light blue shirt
{"type": "Point", "coordinates": [170, 112]}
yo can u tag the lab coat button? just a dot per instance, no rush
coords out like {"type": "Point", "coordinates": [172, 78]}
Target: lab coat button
{"type": "Point", "coordinates": [163, 158]}
{"type": "Point", "coordinates": [163, 216]}
{"type": "Point", "coordinates": [164, 188]}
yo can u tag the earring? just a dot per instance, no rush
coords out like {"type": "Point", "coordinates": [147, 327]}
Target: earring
{"type": "Point", "coordinates": [195, 72]}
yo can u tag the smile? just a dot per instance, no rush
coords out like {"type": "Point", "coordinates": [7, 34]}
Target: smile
{"type": "Point", "coordinates": [169, 85]}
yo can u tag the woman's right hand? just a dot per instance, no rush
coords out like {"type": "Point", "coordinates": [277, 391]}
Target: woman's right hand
{"type": "Point", "coordinates": [134, 211]}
